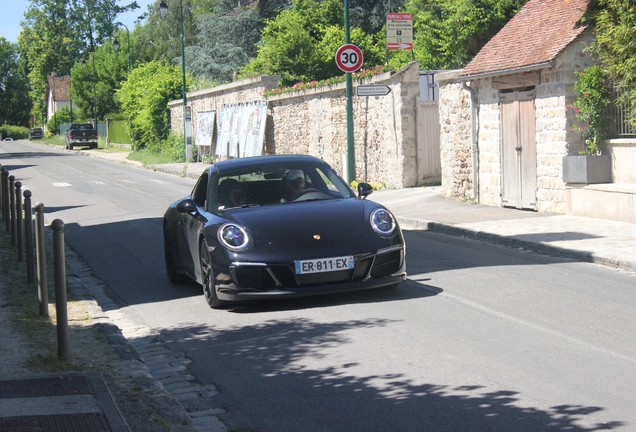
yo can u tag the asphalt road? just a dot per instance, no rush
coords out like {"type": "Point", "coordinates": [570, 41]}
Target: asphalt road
{"type": "Point", "coordinates": [480, 337]}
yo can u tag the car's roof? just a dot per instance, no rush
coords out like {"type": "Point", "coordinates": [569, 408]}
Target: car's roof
{"type": "Point", "coordinates": [264, 161]}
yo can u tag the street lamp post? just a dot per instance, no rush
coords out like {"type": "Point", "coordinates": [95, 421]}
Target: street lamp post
{"type": "Point", "coordinates": [163, 11]}
{"type": "Point", "coordinates": [116, 44]}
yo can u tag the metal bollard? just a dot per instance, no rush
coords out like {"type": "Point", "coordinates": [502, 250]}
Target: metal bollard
{"type": "Point", "coordinates": [18, 220]}
{"type": "Point", "coordinates": [28, 231]}
{"type": "Point", "coordinates": [59, 265]}
{"type": "Point", "coordinates": [5, 196]}
{"type": "Point", "coordinates": [12, 209]}
{"type": "Point", "coordinates": [40, 248]}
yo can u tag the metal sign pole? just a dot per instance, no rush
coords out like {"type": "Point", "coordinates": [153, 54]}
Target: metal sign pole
{"type": "Point", "coordinates": [351, 164]}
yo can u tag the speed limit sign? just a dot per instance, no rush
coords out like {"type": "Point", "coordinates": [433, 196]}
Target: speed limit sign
{"type": "Point", "coordinates": [349, 58]}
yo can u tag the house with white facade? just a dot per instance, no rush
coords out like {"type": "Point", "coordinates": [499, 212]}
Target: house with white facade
{"type": "Point", "coordinates": [58, 94]}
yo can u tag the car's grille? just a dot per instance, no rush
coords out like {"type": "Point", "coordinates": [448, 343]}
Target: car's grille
{"type": "Point", "coordinates": [259, 277]}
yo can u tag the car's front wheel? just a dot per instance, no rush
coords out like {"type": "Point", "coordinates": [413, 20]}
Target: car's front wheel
{"type": "Point", "coordinates": [208, 281]}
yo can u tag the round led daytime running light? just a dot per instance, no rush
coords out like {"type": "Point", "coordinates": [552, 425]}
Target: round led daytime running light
{"type": "Point", "coordinates": [382, 222]}
{"type": "Point", "coordinates": [233, 237]}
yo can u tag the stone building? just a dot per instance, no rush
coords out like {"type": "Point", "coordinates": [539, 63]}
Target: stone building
{"type": "Point", "coordinates": [504, 117]}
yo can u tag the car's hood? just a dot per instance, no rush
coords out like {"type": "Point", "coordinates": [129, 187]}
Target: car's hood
{"type": "Point", "coordinates": [298, 223]}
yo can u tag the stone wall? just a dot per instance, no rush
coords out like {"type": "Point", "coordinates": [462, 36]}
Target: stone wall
{"type": "Point", "coordinates": [314, 122]}
{"type": "Point", "coordinates": [555, 136]}
{"type": "Point", "coordinates": [455, 137]}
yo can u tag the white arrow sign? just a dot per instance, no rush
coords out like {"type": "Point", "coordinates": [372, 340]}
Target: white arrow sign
{"type": "Point", "coordinates": [372, 90]}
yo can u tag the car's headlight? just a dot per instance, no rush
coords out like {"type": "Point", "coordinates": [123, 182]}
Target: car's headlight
{"type": "Point", "coordinates": [234, 237]}
{"type": "Point", "coordinates": [382, 222]}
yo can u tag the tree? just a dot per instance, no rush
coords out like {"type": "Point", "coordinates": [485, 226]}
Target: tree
{"type": "Point", "coordinates": [105, 68]}
{"type": "Point", "coordinates": [226, 43]}
{"type": "Point", "coordinates": [49, 44]}
{"type": "Point", "coordinates": [14, 87]}
{"type": "Point", "coordinates": [299, 44]}
{"type": "Point", "coordinates": [144, 98]}
{"type": "Point", "coordinates": [160, 39]}
{"type": "Point", "coordinates": [58, 33]}
{"type": "Point", "coordinates": [615, 46]}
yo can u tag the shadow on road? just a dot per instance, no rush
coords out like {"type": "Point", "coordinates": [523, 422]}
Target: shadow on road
{"type": "Point", "coordinates": [276, 354]}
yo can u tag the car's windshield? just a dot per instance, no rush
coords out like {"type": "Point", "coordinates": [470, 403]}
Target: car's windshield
{"type": "Point", "coordinates": [278, 185]}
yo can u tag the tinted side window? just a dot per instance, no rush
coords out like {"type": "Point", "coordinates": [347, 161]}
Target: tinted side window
{"type": "Point", "coordinates": [199, 194]}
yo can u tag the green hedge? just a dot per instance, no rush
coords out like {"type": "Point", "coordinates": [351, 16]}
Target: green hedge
{"type": "Point", "coordinates": [15, 132]}
{"type": "Point", "coordinates": [118, 132]}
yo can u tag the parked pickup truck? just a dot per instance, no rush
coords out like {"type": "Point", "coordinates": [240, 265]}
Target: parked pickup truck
{"type": "Point", "coordinates": [82, 134]}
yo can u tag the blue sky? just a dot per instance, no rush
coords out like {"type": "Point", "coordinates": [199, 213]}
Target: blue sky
{"type": "Point", "coordinates": [13, 12]}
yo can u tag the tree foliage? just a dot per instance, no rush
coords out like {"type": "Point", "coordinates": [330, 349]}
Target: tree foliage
{"type": "Point", "coordinates": [300, 43]}
{"type": "Point", "coordinates": [58, 33]}
{"type": "Point", "coordinates": [226, 43]}
{"type": "Point", "coordinates": [160, 39]}
{"type": "Point", "coordinates": [144, 98]}
{"type": "Point", "coordinates": [615, 45]}
{"type": "Point", "coordinates": [14, 101]}
{"type": "Point", "coordinates": [106, 69]}
{"type": "Point", "coordinates": [449, 33]}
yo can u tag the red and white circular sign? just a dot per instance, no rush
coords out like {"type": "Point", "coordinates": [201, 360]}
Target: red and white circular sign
{"type": "Point", "coordinates": [349, 58]}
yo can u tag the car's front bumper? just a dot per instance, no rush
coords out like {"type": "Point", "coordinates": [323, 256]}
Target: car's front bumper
{"type": "Point", "coordinates": [248, 281]}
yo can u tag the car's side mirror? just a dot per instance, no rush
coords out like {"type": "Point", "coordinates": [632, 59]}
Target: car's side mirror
{"type": "Point", "coordinates": [187, 206]}
{"type": "Point", "coordinates": [364, 190]}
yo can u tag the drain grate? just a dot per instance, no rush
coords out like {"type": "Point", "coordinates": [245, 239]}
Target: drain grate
{"type": "Point", "coordinates": [92, 422]}
{"type": "Point", "coordinates": [45, 387]}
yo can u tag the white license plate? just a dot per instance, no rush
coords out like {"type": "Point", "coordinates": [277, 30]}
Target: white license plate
{"type": "Point", "coordinates": [324, 265]}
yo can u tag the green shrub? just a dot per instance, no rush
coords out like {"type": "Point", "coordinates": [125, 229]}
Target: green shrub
{"type": "Point", "coordinates": [15, 132]}
{"type": "Point", "coordinates": [144, 98]}
{"type": "Point", "coordinates": [592, 98]}
{"type": "Point", "coordinates": [118, 132]}
{"type": "Point", "coordinates": [62, 116]}
{"type": "Point", "coordinates": [174, 148]}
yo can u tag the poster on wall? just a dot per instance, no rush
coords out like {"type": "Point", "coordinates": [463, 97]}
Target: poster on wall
{"type": "Point", "coordinates": [205, 128]}
{"type": "Point", "coordinates": [225, 126]}
{"type": "Point", "coordinates": [242, 129]}
{"type": "Point", "coordinates": [234, 131]}
{"type": "Point", "coordinates": [255, 136]}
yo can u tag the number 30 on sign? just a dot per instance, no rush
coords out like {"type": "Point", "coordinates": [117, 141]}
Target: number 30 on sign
{"type": "Point", "coordinates": [349, 58]}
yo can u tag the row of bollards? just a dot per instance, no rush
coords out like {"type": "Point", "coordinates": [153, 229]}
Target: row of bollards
{"type": "Point", "coordinates": [18, 217]}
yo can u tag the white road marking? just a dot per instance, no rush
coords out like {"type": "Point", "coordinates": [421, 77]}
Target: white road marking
{"type": "Point", "coordinates": [62, 184]}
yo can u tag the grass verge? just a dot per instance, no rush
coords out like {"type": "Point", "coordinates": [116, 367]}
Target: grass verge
{"type": "Point", "coordinates": [149, 158]}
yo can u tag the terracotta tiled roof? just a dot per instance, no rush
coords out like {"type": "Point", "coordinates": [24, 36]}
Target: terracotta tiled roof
{"type": "Point", "coordinates": [535, 35]}
{"type": "Point", "coordinates": [60, 86]}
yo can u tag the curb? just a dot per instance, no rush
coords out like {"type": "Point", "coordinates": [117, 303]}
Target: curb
{"type": "Point", "coordinates": [514, 242]}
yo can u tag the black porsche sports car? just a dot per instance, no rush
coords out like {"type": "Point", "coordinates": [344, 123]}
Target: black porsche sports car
{"type": "Point", "coordinates": [280, 226]}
